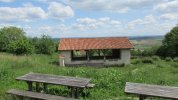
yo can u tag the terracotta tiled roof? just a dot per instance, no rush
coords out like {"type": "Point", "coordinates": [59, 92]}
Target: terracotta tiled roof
{"type": "Point", "coordinates": [94, 43]}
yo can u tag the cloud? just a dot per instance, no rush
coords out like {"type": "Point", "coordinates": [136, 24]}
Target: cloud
{"type": "Point", "coordinates": [120, 6]}
{"type": "Point", "coordinates": [91, 23]}
{"type": "Point", "coordinates": [24, 13]}
{"type": "Point", "coordinates": [60, 11]}
{"type": "Point", "coordinates": [147, 20]}
{"type": "Point", "coordinates": [168, 10]}
{"type": "Point", "coordinates": [51, 30]}
{"type": "Point", "coordinates": [86, 20]}
{"type": "Point", "coordinates": [29, 12]}
{"type": "Point", "coordinates": [7, 0]}
{"type": "Point", "coordinates": [167, 7]}
{"type": "Point", "coordinates": [169, 16]}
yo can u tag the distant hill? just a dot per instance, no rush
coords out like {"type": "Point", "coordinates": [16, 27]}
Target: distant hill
{"type": "Point", "coordinates": [145, 37]}
{"type": "Point", "coordinates": [55, 39]}
{"type": "Point", "coordinates": [132, 37]}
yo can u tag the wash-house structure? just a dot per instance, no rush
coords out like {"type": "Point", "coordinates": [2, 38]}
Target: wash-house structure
{"type": "Point", "coordinates": [94, 51]}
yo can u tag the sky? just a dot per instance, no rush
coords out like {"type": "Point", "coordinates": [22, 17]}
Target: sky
{"type": "Point", "coordinates": [90, 18]}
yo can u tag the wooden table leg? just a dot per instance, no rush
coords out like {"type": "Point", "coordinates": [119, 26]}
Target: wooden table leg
{"type": "Point", "coordinates": [45, 87]}
{"type": "Point", "coordinates": [142, 97]}
{"type": "Point", "coordinates": [76, 92]}
{"type": "Point", "coordinates": [82, 92]}
{"type": "Point", "coordinates": [69, 92]}
{"type": "Point", "coordinates": [30, 86]}
{"type": "Point", "coordinates": [72, 91]}
{"type": "Point", "coordinates": [37, 87]}
{"type": "Point", "coordinates": [21, 98]}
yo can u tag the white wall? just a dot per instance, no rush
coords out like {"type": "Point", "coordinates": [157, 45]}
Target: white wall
{"type": "Point", "coordinates": [125, 59]}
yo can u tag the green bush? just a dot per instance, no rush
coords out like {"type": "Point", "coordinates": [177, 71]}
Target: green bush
{"type": "Point", "coordinates": [155, 58]}
{"type": "Point", "coordinates": [9, 34]}
{"type": "Point", "coordinates": [147, 60]}
{"type": "Point", "coordinates": [175, 59]}
{"type": "Point", "coordinates": [136, 52]}
{"type": "Point", "coordinates": [136, 61]}
{"type": "Point", "coordinates": [44, 45]}
{"type": "Point", "coordinates": [168, 59]}
{"type": "Point", "coordinates": [20, 46]}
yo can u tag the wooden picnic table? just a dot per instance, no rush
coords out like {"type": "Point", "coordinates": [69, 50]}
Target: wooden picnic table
{"type": "Point", "coordinates": [73, 83]}
{"type": "Point", "coordinates": [144, 90]}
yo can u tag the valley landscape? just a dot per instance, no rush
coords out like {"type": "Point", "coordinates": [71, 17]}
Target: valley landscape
{"type": "Point", "coordinates": [110, 81]}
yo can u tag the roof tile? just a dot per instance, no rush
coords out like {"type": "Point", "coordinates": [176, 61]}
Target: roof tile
{"type": "Point", "coordinates": [94, 43]}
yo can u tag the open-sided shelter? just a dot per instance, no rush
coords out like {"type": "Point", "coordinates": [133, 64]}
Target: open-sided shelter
{"type": "Point", "coordinates": [95, 51]}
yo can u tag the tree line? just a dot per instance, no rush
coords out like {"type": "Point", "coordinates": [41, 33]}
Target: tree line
{"type": "Point", "coordinates": [14, 40]}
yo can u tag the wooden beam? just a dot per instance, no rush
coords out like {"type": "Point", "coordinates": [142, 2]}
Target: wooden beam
{"type": "Point", "coordinates": [35, 95]}
{"type": "Point", "coordinates": [77, 92]}
{"type": "Point", "coordinates": [72, 92]}
{"type": "Point", "coordinates": [30, 85]}
{"type": "Point", "coordinates": [37, 87]}
{"type": "Point", "coordinates": [144, 90]}
{"type": "Point", "coordinates": [45, 87]}
{"type": "Point", "coordinates": [142, 97]}
{"type": "Point", "coordinates": [88, 55]}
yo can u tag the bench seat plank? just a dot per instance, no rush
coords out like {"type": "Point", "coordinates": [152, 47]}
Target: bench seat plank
{"type": "Point", "coordinates": [36, 95]}
{"type": "Point", "coordinates": [152, 90]}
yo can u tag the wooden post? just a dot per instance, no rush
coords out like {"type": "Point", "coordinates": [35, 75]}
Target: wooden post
{"type": "Point", "coordinates": [104, 56]}
{"type": "Point", "coordinates": [82, 92]}
{"type": "Point", "coordinates": [21, 98]}
{"type": "Point", "coordinates": [72, 92]}
{"type": "Point", "coordinates": [142, 97]}
{"type": "Point", "coordinates": [37, 87]}
{"type": "Point", "coordinates": [69, 92]}
{"type": "Point", "coordinates": [88, 56]}
{"type": "Point", "coordinates": [45, 87]}
{"type": "Point", "coordinates": [76, 92]}
{"type": "Point", "coordinates": [30, 86]}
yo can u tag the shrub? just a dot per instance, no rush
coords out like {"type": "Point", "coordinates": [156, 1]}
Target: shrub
{"type": "Point", "coordinates": [150, 52]}
{"type": "Point", "coordinates": [44, 45]}
{"type": "Point", "coordinates": [147, 60]}
{"type": "Point", "coordinates": [175, 59]}
{"type": "Point", "coordinates": [168, 59]}
{"type": "Point", "coordinates": [9, 34]}
{"type": "Point", "coordinates": [155, 58]}
{"type": "Point", "coordinates": [20, 46]}
{"type": "Point", "coordinates": [136, 52]}
{"type": "Point", "coordinates": [136, 61]}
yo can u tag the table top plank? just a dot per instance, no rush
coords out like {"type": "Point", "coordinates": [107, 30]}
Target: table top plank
{"type": "Point", "coordinates": [152, 90]}
{"type": "Point", "coordinates": [55, 79]}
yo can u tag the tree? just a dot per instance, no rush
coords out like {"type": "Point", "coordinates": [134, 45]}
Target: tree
{"type": "Point", "coordinates": [9, 34]}
{"type": "Point", "coordinates": [44, 45]}
{"type": "Point", "coordinates": [170, 44]}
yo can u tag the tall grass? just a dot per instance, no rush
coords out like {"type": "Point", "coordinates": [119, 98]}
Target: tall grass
{"type": "Point", "coordinates": [110, 82]}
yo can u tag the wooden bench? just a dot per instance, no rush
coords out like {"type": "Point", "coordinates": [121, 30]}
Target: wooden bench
{"type": "Point", "coordinates": [35, 95]}
{"type": "Point", "coordinates": [144, 90]}
{"type": "Point", "coordinates": [75, 84]}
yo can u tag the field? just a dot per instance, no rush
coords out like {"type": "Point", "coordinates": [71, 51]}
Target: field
{"type": "Point", "coordinates": [146, 43]}
{"type": "Point", "coordinates": [109, 81]}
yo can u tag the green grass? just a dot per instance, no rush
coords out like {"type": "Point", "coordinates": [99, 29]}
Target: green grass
{"type": "Point", "coordinates": [109, 82]}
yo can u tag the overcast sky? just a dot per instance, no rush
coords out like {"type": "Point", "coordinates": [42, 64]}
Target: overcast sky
{"type": "Point", "coordinates": [90, 18]}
